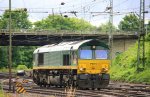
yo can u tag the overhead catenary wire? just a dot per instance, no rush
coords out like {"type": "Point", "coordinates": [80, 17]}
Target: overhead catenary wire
{"type": "Point", "coordinates": [72, 9]}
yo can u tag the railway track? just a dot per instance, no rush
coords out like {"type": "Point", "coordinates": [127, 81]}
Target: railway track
{"type": "Point", "coordinates": [6, 75]}
{"type": "Point", "coordinates": [114, 89]}
{"type": "Point", "coordinates": [109, 91]}
{"type": "Point", "coordinates": [60, 92]}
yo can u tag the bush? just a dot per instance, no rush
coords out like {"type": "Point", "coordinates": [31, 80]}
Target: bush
{"type": "Point", "coordinates": [22, 67]}
{"type": "Point", "coordinates": [148, 37]}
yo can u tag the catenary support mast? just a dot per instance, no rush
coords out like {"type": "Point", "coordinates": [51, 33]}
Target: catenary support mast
{"type": "Point", "coordinates": [141, 38]}
{"type": "Point", "coordinates": [10, 46]}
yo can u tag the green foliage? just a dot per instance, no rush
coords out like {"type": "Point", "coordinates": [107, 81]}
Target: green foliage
{"type": "Point", "coordinates": [3, 57]}
{"type": "Point", "coordinates": [148, 27]}
{"type": "Point", "coordinates": [130, 23]}
{"type": "Point", "coordinates": [57, 22]}
{"type": "Point", "coordinates": [22, 67]}
{"type": "Point", "coordinates": [23, 55]}
{"type": "Point", "coordinates": [148, 37]}
{"type": "Point", "coordinates": [124, 66]}
{"type": "Point", "coordinates": [106, 27]}
{"type": "Point", "coordinates": [19, 20]}
{"type": "Point", "coordinates": [20, 54]}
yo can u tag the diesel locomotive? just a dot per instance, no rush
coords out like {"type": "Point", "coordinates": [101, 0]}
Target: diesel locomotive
{"type": "Point", "coordinates": [82, 64]}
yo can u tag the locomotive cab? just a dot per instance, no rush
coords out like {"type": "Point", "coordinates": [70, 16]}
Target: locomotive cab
{"type": "Point", "coordinates": [93, 65]}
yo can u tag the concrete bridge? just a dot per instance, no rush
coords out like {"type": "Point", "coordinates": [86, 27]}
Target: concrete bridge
{"type": "Point", "coordinates": [121, 40]}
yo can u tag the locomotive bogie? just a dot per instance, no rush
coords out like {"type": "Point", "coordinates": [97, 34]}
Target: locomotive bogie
{"type": "Point", "coordinates": [53, 77]}
{"type": "Point", "coordinates": [92, 80]}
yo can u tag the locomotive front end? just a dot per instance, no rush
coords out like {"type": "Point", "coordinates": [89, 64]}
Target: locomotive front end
{"type": "Point", "coordinates": [93, 65]}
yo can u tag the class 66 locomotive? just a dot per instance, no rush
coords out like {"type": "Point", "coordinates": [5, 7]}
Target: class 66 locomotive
{"type": "Point", "coordinates": [82, 64]}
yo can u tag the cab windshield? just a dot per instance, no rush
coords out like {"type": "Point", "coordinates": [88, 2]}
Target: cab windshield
{"type": "Point", "coordinates": [93, 54]}
{"type": "Point", "coordinates": [85, 54]}
{"type": "Point", "coordinates": [101, 54]}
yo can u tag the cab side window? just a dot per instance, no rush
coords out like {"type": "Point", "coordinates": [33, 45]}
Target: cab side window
{"type": "Point", "coordinates": [40, 59]}
{"type": "Point", "coordinates": [66, 59]}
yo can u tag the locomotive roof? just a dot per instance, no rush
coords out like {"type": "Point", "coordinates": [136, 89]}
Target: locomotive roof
{"type": "Point", "coordinates": [62, 46]}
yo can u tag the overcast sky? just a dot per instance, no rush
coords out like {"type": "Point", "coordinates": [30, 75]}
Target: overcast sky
{"type": "Point", "coordinates": [39, 9]}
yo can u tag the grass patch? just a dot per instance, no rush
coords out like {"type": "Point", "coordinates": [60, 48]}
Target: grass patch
{"type": "Point", "coordinates": [7, 70]}
{"type": "Point", "coordinates": [124, 66]}
{"type": "Point", "coordinates": [2, 94]}
{"type": "Point", "coordinates": [4, 70]}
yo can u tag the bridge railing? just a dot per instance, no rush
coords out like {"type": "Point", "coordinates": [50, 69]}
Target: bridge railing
{"type": "Point", "coordinates": [46, 31]}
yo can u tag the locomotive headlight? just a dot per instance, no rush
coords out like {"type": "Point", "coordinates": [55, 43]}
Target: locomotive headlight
{"type": "Point", "coordinates": [82, 69]}
{"type": "Point", "coordinates": [93, 46]}
{"type": "Point", "coordinates": [104, 69]}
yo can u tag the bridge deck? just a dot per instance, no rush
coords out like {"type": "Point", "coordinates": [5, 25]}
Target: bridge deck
{"type": "Point", "coordinates": [43, 38]}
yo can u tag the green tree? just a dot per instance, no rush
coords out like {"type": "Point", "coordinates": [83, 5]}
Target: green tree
{"type": "Point", "coordinates": [130, 23]}
{"type": "Point", "coordinates": [20, 55]}
{"type": "Point", "coordinates": [106, 27]}
{"type": "Point", "coordinates": [19, 20]}
{"type": "Point", "coordinates": [57, 22]}
{"type": "Point", "coordinates": [148, 27]}
{"type": "Point", "coordinates": [3, 57]}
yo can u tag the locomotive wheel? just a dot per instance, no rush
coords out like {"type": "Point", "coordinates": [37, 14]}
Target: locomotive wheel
{"type": "Point", "coordinates": [40, 84]}
{"type": "Point", "coordinates": [49, 85]}
{"type": "Point", "coordinates": [60, 86]}
{"type": "Point", "coordinates": [44, 83]}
